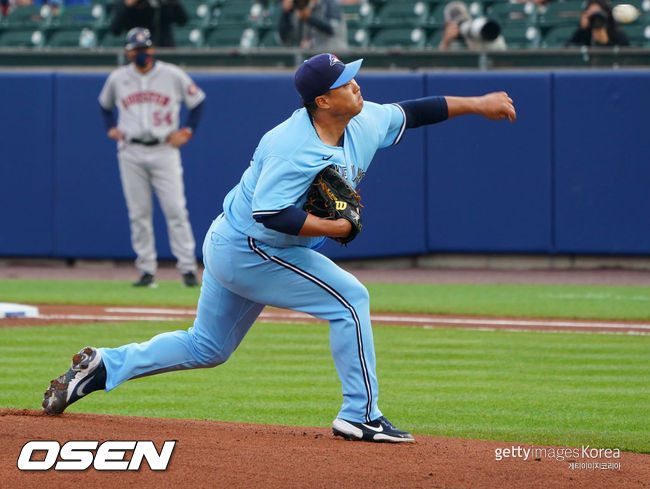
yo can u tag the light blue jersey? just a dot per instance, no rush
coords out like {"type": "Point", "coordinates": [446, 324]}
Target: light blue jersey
{"type": "Point", "coordinates": [290, 156]}
{"type": "Point", "coordinates": [248, 266]}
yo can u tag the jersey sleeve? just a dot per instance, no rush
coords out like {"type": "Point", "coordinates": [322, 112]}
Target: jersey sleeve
{"type": "Point", "coordinates": [107, 95]}
{"type": "Point", "coordinates": [389, 121]}
{"type": "Point", "coordinates": [192, 94]}
{"type": "Point", "coordinates": [281, 184]}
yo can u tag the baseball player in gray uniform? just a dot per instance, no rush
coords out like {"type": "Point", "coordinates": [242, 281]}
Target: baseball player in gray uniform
{"type": "Point", "coordinates": [148, 94]}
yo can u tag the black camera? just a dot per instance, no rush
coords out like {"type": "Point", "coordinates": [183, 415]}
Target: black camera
{"type": "Point", "coordinates": [300, 4]}
{"type": "Point", "coordinates": [597, 20]}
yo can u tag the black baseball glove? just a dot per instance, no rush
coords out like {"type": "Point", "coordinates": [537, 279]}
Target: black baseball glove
{"type": "Point", "coordinates": [332, 197]}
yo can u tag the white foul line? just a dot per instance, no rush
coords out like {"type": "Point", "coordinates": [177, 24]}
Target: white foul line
{"type": "Point", "coordinates": [161, 314]}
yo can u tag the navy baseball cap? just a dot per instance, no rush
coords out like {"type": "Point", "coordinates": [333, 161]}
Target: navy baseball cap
{"type": "Point", "coordinates": [138, 37]}
{"type": "Point", "coordinates": [321, 73]}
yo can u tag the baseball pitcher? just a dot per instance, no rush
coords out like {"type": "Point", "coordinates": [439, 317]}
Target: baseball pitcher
{"type": "Point", "coordinates": [262, 249]}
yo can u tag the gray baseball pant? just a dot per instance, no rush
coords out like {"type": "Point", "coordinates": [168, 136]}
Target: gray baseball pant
{"type": "Point", "coordinates": [159, 167]}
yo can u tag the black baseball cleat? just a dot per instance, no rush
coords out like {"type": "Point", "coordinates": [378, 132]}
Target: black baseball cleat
{"type": "Point", "coordinates": [189, 279]}
{"type": "Point", "coordinates": [378, 430]}
{"type": "Point", "coordinates": [145, 280]}
{"type": "Point", "coordinates": [85, 375]}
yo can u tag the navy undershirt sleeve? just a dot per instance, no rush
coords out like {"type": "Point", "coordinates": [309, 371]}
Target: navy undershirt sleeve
{"type": "Point", "coordinates": [289, 220]}
{"type": "Point", "coordinates": [194, 116]}
{"type": "Point", "coordinates": [109, 118]}
{"type": "Point", "coordinates": [423, 111]}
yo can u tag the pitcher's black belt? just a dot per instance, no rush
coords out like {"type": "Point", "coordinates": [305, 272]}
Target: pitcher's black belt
{"type": "Point", "coordinates": [147, 142]}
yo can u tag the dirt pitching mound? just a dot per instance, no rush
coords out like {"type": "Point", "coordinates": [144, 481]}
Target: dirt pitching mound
{"type": "Point", "coordinates": [215, 454]}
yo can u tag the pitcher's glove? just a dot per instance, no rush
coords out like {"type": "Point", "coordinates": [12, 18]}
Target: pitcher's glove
{"type": "Point", "coordinates": [332, 197]}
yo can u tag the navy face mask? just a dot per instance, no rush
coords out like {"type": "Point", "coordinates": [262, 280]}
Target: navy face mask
{"type": "Point", "coordinates": [142, 58]}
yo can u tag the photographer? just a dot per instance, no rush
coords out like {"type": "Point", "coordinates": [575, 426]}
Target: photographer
{"type": "Point", "coordinates": [155, 15]}
{"type": "Point", "coordinates": [313, 24]}
{"type": "Point", "coordinates": [464, 32]}
{"type": "Point", "coordinates": [598, 27]}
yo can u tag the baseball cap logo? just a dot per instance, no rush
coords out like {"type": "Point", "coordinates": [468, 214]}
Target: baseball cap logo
{"type": "Point", "coordinates": [334, 60]}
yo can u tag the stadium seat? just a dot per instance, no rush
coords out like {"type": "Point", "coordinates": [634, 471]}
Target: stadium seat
{"type": "Point", "coordinates": [269, 38]}
{"type": "Point", "coordinates": [198, 12]}
{"type": "Point", "coordinates": [399, 37]}
{"type": "Point", "coordinates": [72, 38]}
{"type": "Point", "coordinates": [512, 13]}
{"type": "Point", "coordinates": [402, 13]}
{"type": "Point", "coordinates": [78, 16]}
{"type": "Point", "coordinates": [231, 36]}
{"type": "Point", "coordinates": [191, 37]}
{"type": "Point", "coordinates": [638, 34]}
{"type": "Point", "coordinates": [29, 16]}
{"type": "Point", "coordinates": [437, 15]}
{"type": "Point", "coordinates": [233, 12]}
{"type": "Point", "coordinates": [357, 15]}
{"type": "Point", "coordinates": [565, 13]}
{"type": "Point", "coordinates": [557, 37]}
{"type": "Point", "coordinates": [434, 38]}
{"type": "Point", "coordinates": [521, 35]}
{"type": "Point", "coordinates": [265, 17]}
{"type": "Point", "coordinates": [437, 12]}
{"type": "Point", "coordinates": [28, 38]}
{"type": "Point", "coordinates": [358, 38]}
{"type": "Point", "coordinates": [109, 40]}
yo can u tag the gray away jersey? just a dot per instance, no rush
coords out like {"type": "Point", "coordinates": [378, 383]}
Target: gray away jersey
{"type": "Point", "coordinates": [149, 104]}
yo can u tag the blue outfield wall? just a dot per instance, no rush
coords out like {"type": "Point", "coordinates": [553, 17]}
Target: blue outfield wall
{"type": "Point", "coordinates": [489, 182]}
{"type": "Point", "coordinates": [570, 176]}
{"type": "Point", "coordinates": [27, 190]}
{"type": "Point", "coordinates": [601, 162]}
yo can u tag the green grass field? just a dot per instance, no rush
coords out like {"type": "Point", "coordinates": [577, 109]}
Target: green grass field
{"type": "Point", "coordinates": [527, 387]}
{"type": "Point", "coordinates": [567, 301]}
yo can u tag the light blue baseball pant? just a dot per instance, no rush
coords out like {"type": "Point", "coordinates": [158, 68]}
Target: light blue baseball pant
{"type": "Point", "coordinates": [241, 276]}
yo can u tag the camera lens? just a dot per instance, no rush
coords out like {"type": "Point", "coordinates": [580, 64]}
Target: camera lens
{"type": "Point", "coordinates": [597, 20]}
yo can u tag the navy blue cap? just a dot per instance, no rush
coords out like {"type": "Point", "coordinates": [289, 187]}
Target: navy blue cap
{"type": "Point", "coordinates": [138, 37]}
{"type": "Point", "coordinates": [321, 73]}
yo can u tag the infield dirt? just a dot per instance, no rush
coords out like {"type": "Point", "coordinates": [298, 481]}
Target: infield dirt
{"type": "Point", "coordinates": [211, 454]}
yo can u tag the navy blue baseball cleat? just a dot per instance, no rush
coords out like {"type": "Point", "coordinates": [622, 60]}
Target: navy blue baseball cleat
{"type": "Point", "coordinates": [189, 279]}
{"type": "Point", "coordinates": [145, 280]}
{"type": "Point", "coordinates": [85, 375]}
{"type": "Point", "coordinates": [378, 430]}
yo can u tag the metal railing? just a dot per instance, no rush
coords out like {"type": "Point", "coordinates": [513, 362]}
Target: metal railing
{"type": "Point", "coordinates": [398, 59]}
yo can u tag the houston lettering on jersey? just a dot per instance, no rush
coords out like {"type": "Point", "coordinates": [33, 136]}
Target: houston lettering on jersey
{"type": "Point", "coordinates": [145, 98]}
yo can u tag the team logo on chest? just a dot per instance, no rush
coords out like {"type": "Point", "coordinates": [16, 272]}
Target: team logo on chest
{"type": "Point", "coordinates": [353, 174]}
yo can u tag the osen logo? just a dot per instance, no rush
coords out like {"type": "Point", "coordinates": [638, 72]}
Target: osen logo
{"type": "Point", "coordinates": [80, 455]}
